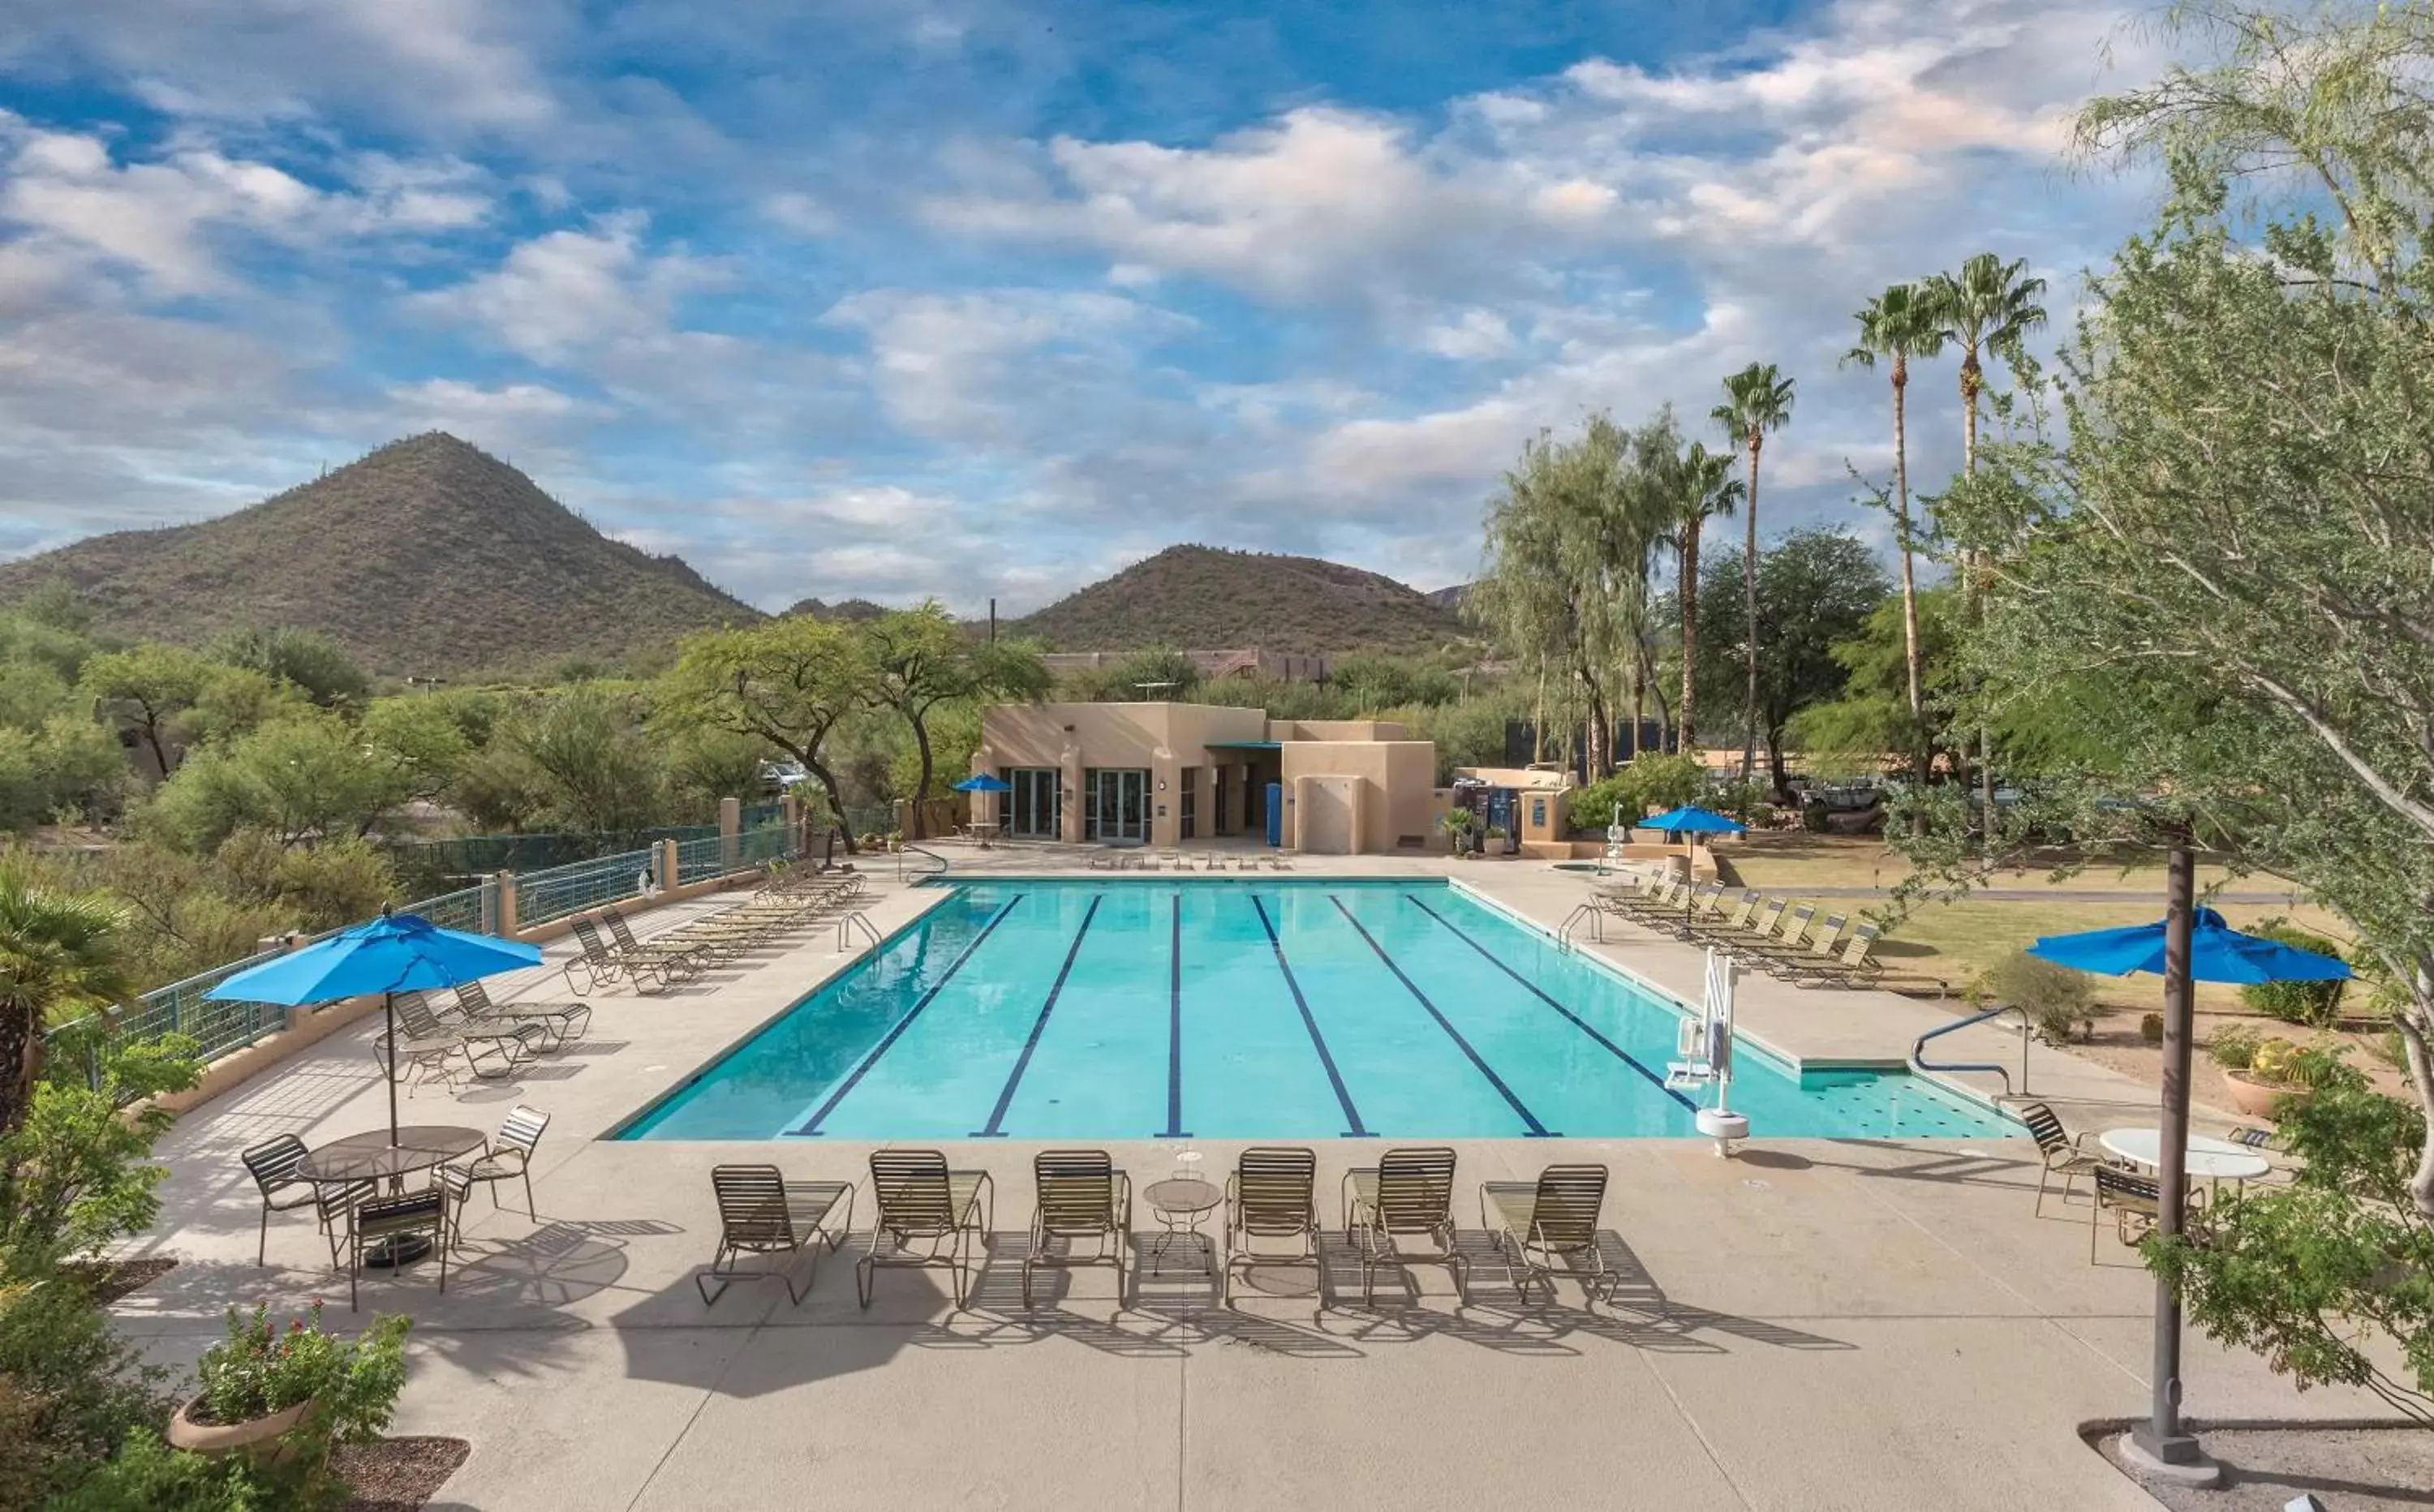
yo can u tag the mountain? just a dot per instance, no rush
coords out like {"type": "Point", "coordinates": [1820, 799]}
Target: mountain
{"type": "Point", "coordinates": [428, 555]}
{"type": "Point", "coordinates": [1449, 599]}
{"type": "Point", "coordinates": [1200, 598]}
{"type": "Point", "coordinates": [850, 610]}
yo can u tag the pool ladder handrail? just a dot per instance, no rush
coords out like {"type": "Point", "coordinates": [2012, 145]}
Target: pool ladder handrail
{"type": "Point", "coordinates": [903, 851]}
{"type": "Point", "coordinates": [1586, 911]}
{"type": "Point", "coordinates": [1918, 1049]}
{"type": "Point", "coordinates": [846, 926]}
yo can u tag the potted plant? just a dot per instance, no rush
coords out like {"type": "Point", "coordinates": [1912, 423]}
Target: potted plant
{"type": "Point", "coordinates": [1457, 824]}
{"type": "Point", "coordinates": [1499, 842]}
{"type": "Point", "coordinates": [2261, 1073]}
{"type": "Point", "coordinates": [284, 1397]}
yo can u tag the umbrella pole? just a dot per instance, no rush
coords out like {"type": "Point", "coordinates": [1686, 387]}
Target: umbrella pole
{"type": "Point", "coordinates": [388, 1013]}
{"type": "Point", "coordinates": [2161, 1441]}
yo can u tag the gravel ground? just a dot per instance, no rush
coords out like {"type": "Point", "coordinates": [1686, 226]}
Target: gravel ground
{"type": "Point", "coordinates": [398, 1474]}
{"type": "Point", "coordinates": [2349, 1470]}
{"type": "Point", "coordinates": [113, 1280]}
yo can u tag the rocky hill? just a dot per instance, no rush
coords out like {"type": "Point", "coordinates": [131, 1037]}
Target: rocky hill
{"type": "Point", "coordinates": [428, 555]}
{"type": "Point", "coordinates": [1204, 599]}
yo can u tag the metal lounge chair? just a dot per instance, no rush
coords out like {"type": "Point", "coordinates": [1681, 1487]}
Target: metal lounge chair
{"type": "Point", "coordinates": [1855, 965]}
{"type": "Point", "coordinates": [506, 1045]}
{"type": "Point", "coordinates": [593, 965]}
{"type": "Point", "coordinates": [673, 961]}
{"type": "Point", "coordinates": [1818, 963]}
{"type": "Point", "coordinates": [1408, 1193]}
{"type": "Point", "coordinates": [508, 1156]}
{"type": "Point", "coordinates": [2064, 1154]}
{"type": "Point", "coordinates": [1788, 942]}
{"type": "Point", "coordinates": [381, 1219]}
{"type": "Point", "coordinates": [761, 1212]}
{"type": "Point", "coordinates": [921, 1201]}
{"type": "Point", "coordinates": [1081, 1196]}
{"type": "Point", "coordinates": [272, 1164]}
{"type": "Point", "coordinates": [564, 1021]}
{"type": "Point", "coordinates": [1534, 1224]}
{"type": "Point", "coordinates": [2136, 1202]}
{"type": "Point", "coordinates": [1272, 1194]}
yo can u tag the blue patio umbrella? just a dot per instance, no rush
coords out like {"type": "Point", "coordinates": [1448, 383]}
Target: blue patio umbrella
{"type": "Point", "coordinates": [391, 954]}
{"type": "Point", "coordinates": [2206, 950]}
{"type": "Point", "coordinates": [983, 783]}
{"type": "Point", "coordinates": [1692, 819]}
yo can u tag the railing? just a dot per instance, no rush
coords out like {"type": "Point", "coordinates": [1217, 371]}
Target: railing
{"type": "Point", "coordinates": [1918, 1049]}
{"type": "Point", "coordinates": [218, 1028]}
{"type": "Point", "coordinates": [541, 897]}
{"type": "Point", "coordinates": [473, 910]}
{"type": "Point", "coordinates": [755, 847]}
{"type": "Point", "coordinates": [903, 851]}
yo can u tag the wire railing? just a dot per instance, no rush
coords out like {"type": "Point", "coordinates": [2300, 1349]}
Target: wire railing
{"type": "Point", "coordinates": [542, 896]}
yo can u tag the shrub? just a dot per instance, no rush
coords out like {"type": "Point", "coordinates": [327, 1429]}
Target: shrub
{"type": "Point", "coordinates": [2055, 998]}
{"type": "Point", "coordinates": [258, 1370]}
{"type": "Point", "coordinates": [2314, 1004]}
{"type": "Point", "coordinates": [2150, 1028]}
{"type": "Point", "coordinates": [2233, 1047]}
{"type": "Point", "coordinates": [1649, 781]}
{"type": "Point", "coordinates": [71, 1391]}
{"type": "Point", "coordinates": [1593, 808]}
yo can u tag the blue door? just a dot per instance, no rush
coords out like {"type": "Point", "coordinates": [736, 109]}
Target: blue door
{"type": "Point", "coordinates": [1276, 813]}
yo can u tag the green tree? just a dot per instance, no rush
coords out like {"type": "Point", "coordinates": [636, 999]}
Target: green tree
{"type": "Point", "coordinates": [310, 660]}
{"type": "Point", "coordinates": [66, 763]}
{"type": "Point", "coordinates": [146, 689]}
{"type": "Point", "coordinates": [422, 741]}
{"type": "Point", "coordinates": [1853, 732]}
{"type": "Point", "coordinates": [58, 958]}
{"type": "Point", "coordinates": [789, 682]}
{"type": "Point", "coordinates": [921, 658]}
{"type": "Point", "coordinates": [1704, 489]}
{"type": "Point", "coordinates": [1758, 400]}
{"type": "Point", "coordinates": [589, 760]}
{"type": "Point", "coordinates": [306, 775]}
{"type": "Point", "coordinates": [1897, 325]}
{"type": "Point", "coordinates": [1815, 589]}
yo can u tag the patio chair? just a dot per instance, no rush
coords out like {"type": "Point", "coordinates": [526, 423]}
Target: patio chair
{"type": "Point", "coordinates": [1105, 858]}
{"type": "Point", "coordinates": [1082, 1196]}
{"type": "Point", "coordinates": [2136, 1202]}
{"type": "Point", "coordinates": [1818, 960]}
{"type": "Point", "coordinates": [424, 1059]}
{"type": "Point", "coordinates": [272, 1164]}
{"type": "Point", "coordinates": [1170, 858]}
{"type": "Point", "coordinates": [2064, 1154]}
{"type": "Point", "coordinates": [1532, 1224]}
{"type": "Point", "coordinates": [562, 1021]}
{"type": "Point", "coordinates": [409, 1214]}
{"type": "Point", "coordinates": [920, 1199]}
{"type": "Point", "coordinates": [1272, 1195]}
{"type": "Point", "coordinates": [761, 1212]}
{"type": "Point", "coordinates": [1279, 861]}
{"type": "Point", "coordinates": [508, 1156]}
{"type": "Point", "coordinates": [507, 1044]}
{"type": "Point", "coordinates": [593, 965]}
{"type": "Point", "coordinates": [673, 959]}
{"type": "Point", "coordinates": [1408, 1193]}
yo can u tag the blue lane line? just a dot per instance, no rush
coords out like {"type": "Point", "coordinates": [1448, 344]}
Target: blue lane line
{"type": "Point", "coordinates": [1537, 1129]}
{"type": "Point", "coordinates": [996, 1129]}
{"type": "Point", "coordinates": [1174, 1128]}
{"type": "Point", "coordinates": [811, 1127]}
{"type": "Point", "coordinates": [1533, 988]}
{"type": "Point", "coordinates": [1318, 1041]}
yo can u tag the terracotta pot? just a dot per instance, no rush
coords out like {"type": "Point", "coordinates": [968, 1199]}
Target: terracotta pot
{"type": "Point", "coordinates": [2252, 1098]}
{"type": "Point", "coordinates": [262, 1439]}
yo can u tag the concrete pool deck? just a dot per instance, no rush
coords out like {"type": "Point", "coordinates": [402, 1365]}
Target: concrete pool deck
{"type": "Point", "coordinates": [1814, 1324]}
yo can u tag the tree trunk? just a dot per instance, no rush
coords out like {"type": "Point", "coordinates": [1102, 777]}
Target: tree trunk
{"type": "Point", "coordinates": [1775, 762]}
{"type": "Point", "coordinates": [1684, 737]}
{"type": "Point", "coordinates": [1749, 619]}
{"type": "Point", "coordinates": [1639, 676]}
{"type": "Point", "coordinates": [152, 738]}
{"type": "Point", "coordinates": [2416, 1024]}
{"type": "Point", "coordinates": [16, 1063]}
{"type": "Point", "coordinates": [922, 743]}
{"type": "Point", "coordinates": [836, 798]}
{"type": "Point", "coordinates": [1918, 752]}
{"type": "Point", "coordinates": [1970, 383]}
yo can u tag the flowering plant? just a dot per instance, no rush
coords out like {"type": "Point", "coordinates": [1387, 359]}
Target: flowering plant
{"type": "Point", "coordinates": [259, 1370]}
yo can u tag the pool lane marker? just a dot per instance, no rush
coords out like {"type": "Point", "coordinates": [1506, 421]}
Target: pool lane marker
{"type": "Point", "coordinates": [1174, 1128]}
{"type": "Point", "coordinates": [1534, 991]}
{"type": "Point", "coordinates": [811, 1127]}
{"type": "Point", "coordinates": [996, 1129]}
{"type": "Point", "coordinates": [1537, 1129]}
{"type": "Point", "coordinates": [1318, 1041]}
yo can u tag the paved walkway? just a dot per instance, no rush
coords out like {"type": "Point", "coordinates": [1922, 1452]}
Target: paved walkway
{"type": "Point", "coordinates": [1816, 1324]}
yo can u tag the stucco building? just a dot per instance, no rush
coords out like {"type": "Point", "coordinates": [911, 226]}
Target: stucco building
{"type": "Point", "coordinates": [1170, 774]}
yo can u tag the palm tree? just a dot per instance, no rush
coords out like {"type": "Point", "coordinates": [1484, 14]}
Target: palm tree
{"type": "Point", "coordinates": [1986, 307]}
{"type": "Point", "coordinates": [57, 949]}
{"type": "Point", "coordinates": [1757, 399]}
{"type": "Point", "coordinates": [1897, 325]}
{"type": "Point", "coordinates": [1989, 306]}
{"type": "Point", "coordinates": [1708, 490]}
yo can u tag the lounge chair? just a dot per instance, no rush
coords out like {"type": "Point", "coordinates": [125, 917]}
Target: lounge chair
{"type": "Point", "coordinates": [2063, 1154]}
{"type": "Point", "coordinates": [1170, 858]}
{"type": "Point", "coordinates": [378, 1220]}
{"type": "Point", "coordinates": [1105, 858]}
{"type": "Point", "coordinates": [1788, 942]}
{"type": "Point", "coordinates": [674, 960]}
{"type": "Point", "coordinates": [1817, 963]}
{"type": "Point", "coordinates": [2136, 1202]}
{"type": "Point", "coordinates": [1532, 1224]}
{"type": "Point", "coordinates": [563, 1021]}
{"type": "Point", "coordinates": [1408, 1193]}
{"type": "Point", "coordinates": [1279, 861]}
{"type": "Point", "coordinates": [1272, 1195]}
{"type": "Point", "coordinates": [503, 1047]}
{"type": "Point", "coordinates": [593, 965]}
{"type": "Point", "coordinates": [920, 1200]}
{"type": "Point", "coordinates": [1855, 965]}
{"type": "Point", "coordinates": [761, 1212]}
{"type": "Point", "coordinates": [509, 1155]}
{"type": "Point", "coordinates": [272, 1164]}
{"type": "Point", "coordinates": [1722, 925]}
{"type": "Point", "coordinates": [1081, 1196]}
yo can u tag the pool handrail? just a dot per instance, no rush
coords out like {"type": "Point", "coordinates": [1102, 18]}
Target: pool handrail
{"type": "Point", "coordinates": [1918, 1049]}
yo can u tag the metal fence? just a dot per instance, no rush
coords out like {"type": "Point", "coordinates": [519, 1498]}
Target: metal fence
{"type": "Point", "coordinates": [755, 847]}
{"type": "Point", "coordinates": [541, 897]}
{"type": "Point", "coordinates": [474, 909]}
{"type": "Point", "coordinates": [432, 862]}
{"type": "Point", "coordinates": [699, 860]}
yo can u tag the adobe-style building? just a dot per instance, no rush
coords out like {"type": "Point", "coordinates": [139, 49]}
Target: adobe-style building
{"type": "Point", "coordinates": [1170, 774]}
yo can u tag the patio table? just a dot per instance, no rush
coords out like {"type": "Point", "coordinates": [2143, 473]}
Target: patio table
{"type": "Point", "coordinates": [2213, 1160]}
{"type": "Point", "coordinates": [1180, 1202]}
{"type": "Point", "coordinates": [373, 1156]}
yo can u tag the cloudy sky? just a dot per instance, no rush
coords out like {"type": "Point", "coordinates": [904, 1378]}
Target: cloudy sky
{"type": "Point", "coordinates": [892, 298]}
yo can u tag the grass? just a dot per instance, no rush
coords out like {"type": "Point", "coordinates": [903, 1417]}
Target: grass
{"type": "Point", "coordinates": [1788, 863]}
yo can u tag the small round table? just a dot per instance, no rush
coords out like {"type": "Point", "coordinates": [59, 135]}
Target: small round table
{"type": "Point", "coordinates": [2213, 1160]}
{"type": "Point", "coordinates": [375, 1156]}
{"type": "Point", "coordinates": [1179, 1202]}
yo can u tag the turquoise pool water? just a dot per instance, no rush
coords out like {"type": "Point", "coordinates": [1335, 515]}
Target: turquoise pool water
{"type": "Point", "coordinates": [1243, 1008]}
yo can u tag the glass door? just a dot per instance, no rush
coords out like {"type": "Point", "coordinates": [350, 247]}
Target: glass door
{"type": "Point", "coordinates": [1032, 807]}
{"type": "Point", "coordinates": [1119, 804]}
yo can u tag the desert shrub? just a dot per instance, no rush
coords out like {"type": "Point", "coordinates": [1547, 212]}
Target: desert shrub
{"type": "Point", "coordinates": [2234, 1046]}
{"type": "Point", "coordinates": [2150, 1028]}
{"type": "Point", "coordinates": [2055, 998]}
{"type": "Point", "coordinates": [1593, 806]}
{"type": "Point", "coordinates": [71, 1392]}
{"type": "Point", "coordinates": [2314, 1004]}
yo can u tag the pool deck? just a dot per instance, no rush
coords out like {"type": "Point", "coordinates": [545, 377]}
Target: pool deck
{"type": "Point", "coordinates": [1813, 1324]}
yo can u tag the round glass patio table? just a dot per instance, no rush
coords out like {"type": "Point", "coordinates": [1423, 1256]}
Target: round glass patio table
{"type": "Point", "coordinates": [2213, 1160]}
{"type": "Point", "coordinates": [374, 1156]}
{"type": "Point", "coordinates": [1179, 1202]}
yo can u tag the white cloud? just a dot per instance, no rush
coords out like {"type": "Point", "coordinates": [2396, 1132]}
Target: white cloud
{"type": "Point", "coordinates": [572, 291]}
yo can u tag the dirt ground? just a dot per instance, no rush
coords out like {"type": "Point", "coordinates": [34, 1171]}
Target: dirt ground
{"type": "Point", "coordinates": [2349, 1470]}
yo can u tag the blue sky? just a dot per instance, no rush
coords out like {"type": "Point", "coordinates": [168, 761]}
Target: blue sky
{"type": "Point", "coordinates": [893, 299]}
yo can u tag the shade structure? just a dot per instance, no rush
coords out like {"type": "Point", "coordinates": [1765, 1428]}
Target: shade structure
{"type": "Point", "coordinates": [1692, 819]}
{"type": "Point", "coordinates": [2217, 953]}
{"type": "Point", "coordinates": [391, 954]}
{"type": "Point", "coordinates": [984, 782]}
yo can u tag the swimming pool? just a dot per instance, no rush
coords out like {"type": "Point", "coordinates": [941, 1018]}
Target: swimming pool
{"type": "Point", "coordinates": [1228, 1008]}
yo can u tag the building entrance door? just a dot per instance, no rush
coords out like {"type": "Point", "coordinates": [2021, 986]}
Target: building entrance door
{"type": "Point", "coordinates": [1119, 804]}
{"type": "Point", "coordinates": [1031, 808]}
